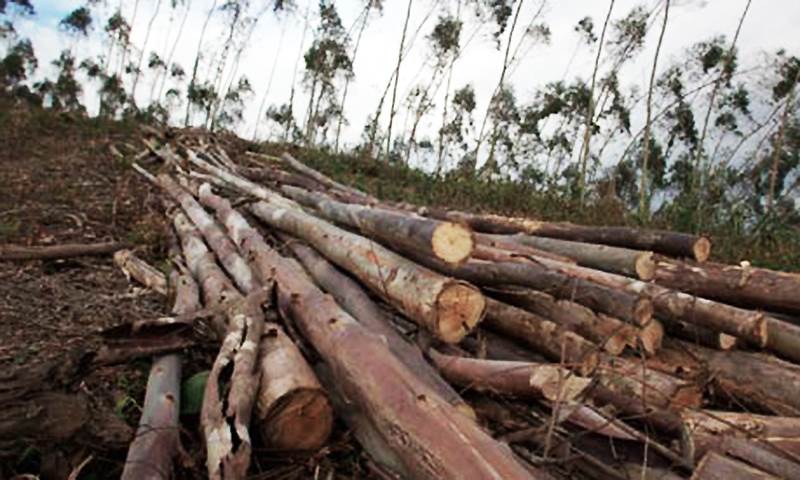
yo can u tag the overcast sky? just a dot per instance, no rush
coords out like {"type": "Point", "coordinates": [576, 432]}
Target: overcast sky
{"type": "Point", "coordinates": [770, 24]}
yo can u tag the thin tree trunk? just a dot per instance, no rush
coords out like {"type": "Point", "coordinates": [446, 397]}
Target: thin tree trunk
{"type": "Point", "coordinates": [644, 196]}
{"type": "Point", "coordinates": [144, 49]}
{"type": "Point", "coordinates": [66, 250]}
{"type": "Point", "coordinates": [172, 50]}
{"type": "Point", "coordinates": [697, 174]}
{"type": "Point", "coordinates": [193, 78]}
{"type": "Point", "coordinates": [263, 103]}
{"type": "Point", "coordinates": [347, 79]}
{"type": "Point", "coordinates": [297, 65]}
{"type": "Point", "coordinates": [777, 148]}
{"type": "Point", "coordinates": [396, 81]}
{"type": "Point", "coordinates": [587, 133]}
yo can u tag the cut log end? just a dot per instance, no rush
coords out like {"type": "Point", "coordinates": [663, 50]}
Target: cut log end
{"type": "Point", "coordinates": [645, 266]}
{"type": "Point", "coordinates": [702, 249]}
{"type": "Point", "coordinates": [460, 308]}
{"type": "Point", "coordinates": [302, 420]}
{"type": "Point", "coordinates": [643, 311]}
{"type": "Point", "coordinates": [452, 243]}
{"type": "Point", "coordinates": [651, 337]}
{"type": "Point", "coordinates": [557, 385]}
{"type": "Point", "coordinates": [727, 342]}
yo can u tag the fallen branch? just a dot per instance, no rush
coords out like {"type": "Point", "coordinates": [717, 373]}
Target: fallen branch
{"type": "Point", "coordinates": [54, 252]}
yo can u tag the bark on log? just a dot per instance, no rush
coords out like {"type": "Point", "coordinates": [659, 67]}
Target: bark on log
{"type": "Point", "coordinates": [669, 243]}
{"type": "Point", "coordinates": [612, 334]}
{"type": "Point", "coordinates": [446, 307]}
{"type": "Point", "coordinates": [499, 347]}
{"type": "Point", "coordinates": [544, 336]}
{"type": "Point", "coordinates": [352, 298]}
{"type": "Point", "coordinates": [274, 175]}
{"type": "Point", "coordinates": [740, 285]}
{"type": "Point", "coordinates": [719, 467]}
{"type": "Point", "coordinates": [67, 250]}
{"type": "Point", "coordinates": [234, 378]}
{"type": "Point", "coordinates": [625, 261]}
{"type": "Point", "coordinates": [323, 179]}
{"type": "Point", "coordinates": [430, 437]}
{"type": "Point", "coordinates": [518, 379]}
{"type": "Point", "coordinates": [630, 307]}
{"type": "Point", "coordinates": [447, 241]}
{"type": "Point", "coordinates": [134, 267]}
{"type": "Point", "coordinates": [701, 335]}
{"type": "Point", "coordinates": [673, 305]}
{"type": "Point", "coordinates": [502, 245]}
{"type": "Point", "coordinates": [292, 409]}
{"type": "Point", "coordinates": [762, 456]}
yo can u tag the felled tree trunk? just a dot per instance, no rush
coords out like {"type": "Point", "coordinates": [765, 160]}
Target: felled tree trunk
{"type": "Point", "coordinates": [610, 333]}
{"type": "Point", "coordinates": [674, 305]}
{"type": "Point", "coordinates": [669, 243]}
{"type": "Point", "coordinates": [543, 335]}
{"type": "Point", "coordinates": [632, 263]}
{"type": "Point", "coordinates": [762, 456]}
{"type": "Point", "coordinates": [449, 242]}
{"type": "Point", "coordinates": [157, 440]}
{"type": "Point", "coordinates": [275, 175]}
{"type": "Point", "coordinates": [67, 250]}
{"type": "Point", "coordinates": [428, 436]}
{"type": "Point", "coordinates": [518, 379]}
{"type": "Point", "coordinates": [446, 307]}
{"type": "Point", "coordinates": [744, 286]}
{"type": "Point", "coordinates": [719, 467]}
{"type": "Point", "coordinates": [357, 303]}
{"type": "Point", "coordinates": [292, 409]}
{"type": "Point", "coordinates": [631, 307]}
{"type": "Point", "coordinates": [323, 179]}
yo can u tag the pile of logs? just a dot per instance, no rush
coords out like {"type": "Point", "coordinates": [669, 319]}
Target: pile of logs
{"type": "Point", "coordinates": [459, 345]}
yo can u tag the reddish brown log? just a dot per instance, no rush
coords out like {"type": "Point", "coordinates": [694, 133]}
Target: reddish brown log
{"type": "Point", "coordinates": [67, 250]}
{"type": "Point", "coordinates": [762, 456]}
{"type": "Point", "coordinates": [632, 308]}
{"type": "Point", "coordinates": [430, 437]}
{"type": "Point", "coordinates": [274, 175]}
{"type": "Point", "coordinates": [673, 305]}
{"type": "Point", "coordinates": [543, 335]}
{"type": "Point", "coordinates": [357, 303]}
{"type": "Point", "coordinates": [669, 243]}
{"type": "Point", "coordinates": [719, 467]}
{"type": "Point", "coordinates": [741, 285]}
{"type": "Point", "coordinates": [449, 242]}
{"type": "Point", "coordinates": [632, 263]}
{"type": "Point", "coordinates": [446, 307]}
{"type": "Point", "coordinates": [518, 379]}
{"type": "Point", "coordinates": [612, 334]}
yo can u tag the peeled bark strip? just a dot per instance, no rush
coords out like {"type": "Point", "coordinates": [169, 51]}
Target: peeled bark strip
{"type": "Point", "coordinates": [66, 250]}
{"type": "Point", "coordinates": [357, 303]}
{"type": "Point", "coordinates": [740, 285]}
{"type": "Point", "coordinates": [669, 243]}
{"type": "Point", "coordinates": [446, 307]}
{"type": "Point", "coordinates": [719, 467]}
{"type": "Point", "coordinates": [632, 308]}
{"type": "Point", "coordinates": [612, 334]}
{"type": "Point", "coordinates": [292, 409]}
{"type": "Point", "coordinates": [134, 267]}
{"type": "Point", "coordinates": [543, 335]}
{"type": "Point", "coordinates": [449, 242]}
{"type": "Point", "coordinates": [674, 305]}
{"type": "Point", "coordinates": [518, 379]}
{"type": "Point", "coordinates": [632, 263]}
{"type": "Point", "coordinates": [430, 437]}
{"type": "Point", "coordinates": [216, 238]}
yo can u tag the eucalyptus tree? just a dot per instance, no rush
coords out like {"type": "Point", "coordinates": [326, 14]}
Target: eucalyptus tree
{"type": "Point", "coordinates": [236, 13]}
{"type": "Point", "coordinates": [196, 93]}
{"type": "Point", "coordinates": [143, 49]}
{"type": "Point", "coordinates": [64, 93]}
{"type": "Point", "coordinates": [400, 52]}
{"type": "Point", "coordinates": [171, 56]}
{"type": "Point", "coordinates": [23, 7]}
{"type": "Point", "coordinates": [78, 22]}
{"type": "Point", "coordinates": [18, 65]}
{"type": "Point", "coordinates": [789, 128]}
{"type": "Point", "coordinates": [326, 61]}
{"type": "Point", "coordinates": [460, 127]}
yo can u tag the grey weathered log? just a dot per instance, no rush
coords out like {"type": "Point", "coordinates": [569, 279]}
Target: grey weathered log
{"type": "Point", "coordinates": [323, 179]}
{"type": "Point", "coordinates": [449, 242]}
{"type": "Point", "coordinates": [719, 467]}
{"type": "Point", "coordinates": [349, 294]}
{"type": "Point", "coordinates": [625, 261]}
{"type": "Point", "coordinates": [134, 267]}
